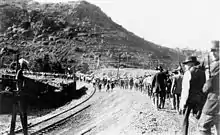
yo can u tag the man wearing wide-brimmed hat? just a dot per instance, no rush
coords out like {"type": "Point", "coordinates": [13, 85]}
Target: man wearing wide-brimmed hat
{"type": "Point", "coordinates": [211, 110]}
{"type": "Point", "coordinates": [191, 95]}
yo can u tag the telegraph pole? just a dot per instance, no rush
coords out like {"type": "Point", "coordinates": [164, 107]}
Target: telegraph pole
{"type": "Point", "coordinates": [98, 62]}
{"type": "Point", "coordinates": [17, 62]}
{"type": "Point", "coordinates": [127, 56]}
{"type": "Point", "coordinates": [119, 60]}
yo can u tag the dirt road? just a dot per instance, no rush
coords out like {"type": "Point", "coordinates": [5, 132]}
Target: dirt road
{"type": "Point", "coordinates": [123, 112]}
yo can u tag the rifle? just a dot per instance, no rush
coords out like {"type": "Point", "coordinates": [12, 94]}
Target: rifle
{"type": "Point", "coordinates": [181, 68]}
{"type": "Point", "coordinates": [202, 66]}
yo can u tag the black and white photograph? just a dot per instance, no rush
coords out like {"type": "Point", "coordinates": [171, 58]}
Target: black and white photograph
{"type": "Point", "coordinates": [109, 67]}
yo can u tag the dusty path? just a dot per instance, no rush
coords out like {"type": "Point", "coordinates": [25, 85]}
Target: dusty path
{"type": "Point", "coordinates": [123, 112]}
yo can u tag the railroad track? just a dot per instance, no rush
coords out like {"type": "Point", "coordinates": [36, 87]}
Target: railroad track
{"type": "Point", "coordinates": [48, 126]}
{"type": "Point", "coordinates": [52, 122]}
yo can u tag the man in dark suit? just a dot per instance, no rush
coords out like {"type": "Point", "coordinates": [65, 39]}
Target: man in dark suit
{"type": "Point", "coordinates": [159, 89]}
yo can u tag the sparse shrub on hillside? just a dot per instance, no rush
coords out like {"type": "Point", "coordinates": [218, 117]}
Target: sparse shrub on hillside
{"type": "Point", "coordinates": [83, 67]}
{"type": "Point", "coordinates": [46, 63]}
{"type": "Point", "coordinates": [36, 64]}
{"type": "Point", "coordinates": [78, 49]}
{"type": "Point", "coordinates": [10, 15]}
{"type": "Point", "coordinates": [56, 67]}
{"type": "Point", "coordinates": [84, 25]}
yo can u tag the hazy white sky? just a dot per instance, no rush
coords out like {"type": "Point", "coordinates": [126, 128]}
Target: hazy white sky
{"type": "Point", "coordinates": [171, 23]}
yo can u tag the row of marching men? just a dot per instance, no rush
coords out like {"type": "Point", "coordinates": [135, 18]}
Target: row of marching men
{"type": "Point", "coordinates": [109, 83]}
{"type": "Point", "coordinates": [99, 83]}
{"type": "Point", "coordinates": [193, 92]}
{"type": "Point", "coordinates": [105, 83]}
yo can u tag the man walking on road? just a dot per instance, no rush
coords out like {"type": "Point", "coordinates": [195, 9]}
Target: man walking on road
{"type": "Point", "coordinates": [210, 114]}
{"type": "Point", "coordinates": [176, 89]}
{"type": "Point", "coordinates": [159, 86]}
{"type": "Point", "coordinates": [191, 95]}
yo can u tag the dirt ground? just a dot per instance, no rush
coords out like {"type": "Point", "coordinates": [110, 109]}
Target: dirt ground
{"type": "Point", "coordinates": [121, 112]}
{"type": "Point", "coordinates": [124, 112]}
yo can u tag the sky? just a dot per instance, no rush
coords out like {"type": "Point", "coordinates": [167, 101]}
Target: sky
{"type": "Point", "coordinates": [171, 23]}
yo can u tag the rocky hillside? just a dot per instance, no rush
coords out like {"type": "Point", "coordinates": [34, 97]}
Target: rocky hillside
{"type": "Point", "coordinates": [55, 36]}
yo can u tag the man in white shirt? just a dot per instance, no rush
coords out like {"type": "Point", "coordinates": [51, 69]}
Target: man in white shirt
{"type": "Point", "coordinates": [191, 95]}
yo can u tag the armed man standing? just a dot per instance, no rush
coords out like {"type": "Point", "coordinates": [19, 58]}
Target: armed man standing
{"type": "Point", "coordinates": [191, 95]}
{"type": "Point", "coordinates": [19, 102]}
{"type": "Point", "coordinates": [211, 111]}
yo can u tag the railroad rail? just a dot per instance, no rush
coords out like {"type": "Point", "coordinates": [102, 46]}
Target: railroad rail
{"type": "Point", "coordinates": [46, 74]}
{"type": "Point", "coordinates": [45, 125]}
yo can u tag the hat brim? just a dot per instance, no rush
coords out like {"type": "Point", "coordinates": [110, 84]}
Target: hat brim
{"type": "Point", "coordinates": [196, 62]}
{"type": "Point", "coordinates": [214, 49]}
{"type": "Point", "coordinates": [175, 71]}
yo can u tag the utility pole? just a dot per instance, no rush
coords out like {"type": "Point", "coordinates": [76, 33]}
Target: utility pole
{"type": "Point", "coordinates": [119, 60]}
{"type": "Point", "coordinates": [17, 62]}
{"type": "Point", "coordinates": [98, 61]}
{"type": "Point", "coordinates": [179, 57]}
{"type": "Point", "coordinates": [127, 56]}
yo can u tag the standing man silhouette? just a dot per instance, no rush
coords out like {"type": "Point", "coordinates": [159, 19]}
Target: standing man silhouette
{"type": "Point", "coordinates": [19, 100]}
{"type": "Point", "coordinates": [211, 110]}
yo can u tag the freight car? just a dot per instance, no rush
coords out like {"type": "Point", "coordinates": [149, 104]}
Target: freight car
{"type": "Point", "coordinates": [40, 87]}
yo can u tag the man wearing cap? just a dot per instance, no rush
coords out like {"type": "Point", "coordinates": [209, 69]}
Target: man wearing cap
{"type": "Point", "coordinates": [210, 113]}
{"type": "Point", "coordinates": [176, 88]}
{"type": "Point", "coordinates": [20, 100]}
{"type": "Point", "coordinates": [191, 95]}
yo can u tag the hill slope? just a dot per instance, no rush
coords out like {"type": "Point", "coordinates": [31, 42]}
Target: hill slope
{"type": "Point", "coordinates": [72, 33]}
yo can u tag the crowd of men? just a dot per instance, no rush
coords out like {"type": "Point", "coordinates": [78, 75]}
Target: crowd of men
{"type": "Point", "coordinates": [190, 90]}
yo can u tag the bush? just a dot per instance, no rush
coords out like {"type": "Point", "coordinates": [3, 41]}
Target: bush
{"type": "Point", "coordinates": [83, 68]}
{"type": "Point", "coordinates": [77, 49]}
{"type": "Point", "coordinates": [46, 63]}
